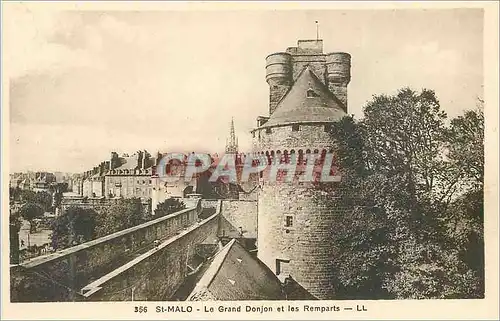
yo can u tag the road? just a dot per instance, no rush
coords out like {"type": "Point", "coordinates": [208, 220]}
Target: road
{"type": "Point", "coordinates": [39, 238]}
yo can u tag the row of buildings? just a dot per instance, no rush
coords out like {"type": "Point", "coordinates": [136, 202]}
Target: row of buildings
{"type": "Point", "coordinates": [133, 176]}
{"type": "Point", "coordinates": [41, 181]}
{"type": "Point", "coordinates": [120, 176]}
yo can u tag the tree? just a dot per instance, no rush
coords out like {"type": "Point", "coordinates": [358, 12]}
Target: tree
{"type": "Point", "coordinates": [76, 225]}
{"type": "Point", "coordinates": [29, 212]}
{"type": "Point", "coordinates": [122, 215]}
{"type": "Point", "coordinates": [402, 177]}
{"type": "Point", "coordinates": [464, 219]}
{"type": "Point", "coordinates": [57, 199]}
{"type": "Point", "coordinates": [464, 223]}
{"type": "Point", "coordinates": [14, 193]}
{"type": "Point", "coordinates": [26, 196]}
{"type": "Point", "coordinates": [15, 220]}
{"type": "Point", "coordinates": [466, 147]}
{"type": "Point", "coordinates": [169, 206]}
{"type": "Point", "coordinates": [14, 228]}
{"type": "Point", "coordinates": [43, 199]}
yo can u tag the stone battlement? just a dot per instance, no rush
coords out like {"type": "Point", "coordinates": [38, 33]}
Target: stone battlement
{"type": "Point", "coordinates": [56, 276]}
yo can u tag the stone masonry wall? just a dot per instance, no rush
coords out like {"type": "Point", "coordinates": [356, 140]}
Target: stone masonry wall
{"type": "Point", "coordinates": [97, 204]}
{"type": "Point", "coordinates": [310, 136]}
{"type": "Point", "coordinates": [303, 246]}
{"type": "Point", "coordinates": [53, 277]}
{"type": "Point", "coordinates": [307, 243]}
{"type": "Point", "coordinates": [236, 214]}
{"type": "Point", "coordinates": [316, 62]}
{"type": "Point", "coordinates": [157, 274]}
{"type": "Point", "coordinates": [206, 203]}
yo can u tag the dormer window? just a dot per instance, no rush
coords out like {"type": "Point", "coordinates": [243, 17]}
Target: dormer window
{"type": "Point", "coordinates": [311, 93]}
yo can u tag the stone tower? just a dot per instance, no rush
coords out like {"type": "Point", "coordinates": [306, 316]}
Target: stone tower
{"type": "Point", "coordinates": [308, 92]}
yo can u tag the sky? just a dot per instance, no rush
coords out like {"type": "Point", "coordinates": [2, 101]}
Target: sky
{"type": "Point", "coordinates": [85, 83]}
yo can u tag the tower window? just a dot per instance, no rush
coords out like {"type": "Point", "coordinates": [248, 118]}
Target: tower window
{"type": "Point", "coordinates": [288, 221]}
{"type": "Point", "coordinates": [311, 93]}
{"type": "Point", "coordinates": [280, 265]}
{"type": "Point", "coordinates": [268, 131]}
{"type": "Point", "coordinates": [295, 128]}
{"type": "Point", "coordinates": [328, 128]}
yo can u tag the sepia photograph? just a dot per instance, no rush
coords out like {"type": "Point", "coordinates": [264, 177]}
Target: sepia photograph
{"type": "Point", "coordinates": [306, 155]}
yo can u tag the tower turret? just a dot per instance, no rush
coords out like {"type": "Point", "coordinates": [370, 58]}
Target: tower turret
{"type": "Point", "coordinates": [338, 66]}
{"type": "Point", "coordinates": [278, 76]}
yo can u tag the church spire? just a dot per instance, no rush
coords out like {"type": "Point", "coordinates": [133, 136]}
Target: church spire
{"type": "Point", "coordinates": [232, 143]}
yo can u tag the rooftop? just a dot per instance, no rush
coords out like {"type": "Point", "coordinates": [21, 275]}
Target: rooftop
{"type": "Point", "coordinates": [308, 100]}
{"type": "Point", "coordinates": [236, 275]}
{"type": "Point", "coordinates": [307, 47]}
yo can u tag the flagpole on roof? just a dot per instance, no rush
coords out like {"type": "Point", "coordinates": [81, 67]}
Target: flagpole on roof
{"type": "Point", "coordinates": [317, 31]}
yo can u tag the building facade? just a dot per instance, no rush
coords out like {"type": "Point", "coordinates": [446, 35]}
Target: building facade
{"type": "Point", "coordinates": [308, 92]}
{"type": "Point", "coordinates": [119, 177]}
{"type": "Point", "coordinates": [35, 181]}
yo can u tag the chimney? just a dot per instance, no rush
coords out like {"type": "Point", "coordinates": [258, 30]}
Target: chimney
{"type": "Point", "coordinates": [158, 158]}
{"type": "Point", "coordinates": [138, 159]}
{"type": "Point", "coordinates": [112, 160]}
{"type": "Point", "coordinates": [144, 159]}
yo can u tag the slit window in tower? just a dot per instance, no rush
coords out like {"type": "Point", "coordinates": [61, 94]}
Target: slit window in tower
{"type": "Point", "coordinates": [295, 128]}
{"type": "Point", "coordinates": [288, 221]}
{"type": "Point", "coordinates": [268, 131]}
{"type": "Point", "coordinates": [328, 128]}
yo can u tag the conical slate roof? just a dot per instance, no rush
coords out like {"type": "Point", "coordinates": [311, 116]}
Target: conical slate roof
{"type": "Point", "coordinates": [308, 100]}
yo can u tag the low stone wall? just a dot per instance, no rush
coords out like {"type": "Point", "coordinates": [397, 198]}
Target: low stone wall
{"type": "Point", "coordinates": [60, 275]}
{"type": "Point", "coordinates": [206, 203]}
{"type": "Point", "coordinates": [158, 273]}
{"type": "Point", "coordinates": [209, 207]}
{"type": "Point", "coordinates": [97, 204]}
